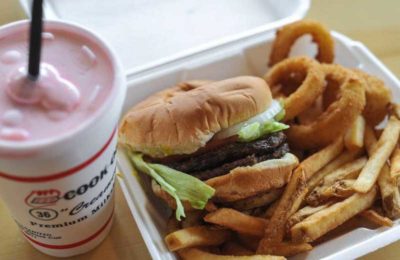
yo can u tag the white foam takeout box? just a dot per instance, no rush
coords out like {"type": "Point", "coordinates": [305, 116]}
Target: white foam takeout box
{"type": "Point", "coordinates": [162, 43]}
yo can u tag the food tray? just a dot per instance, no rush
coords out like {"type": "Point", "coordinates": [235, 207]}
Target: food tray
{"type": "Point", "coordinates": [247, 58]}
{"type": "Point", "coordinates": [149, 33]}
{"type": "Point", "coordinates": [243, 53]}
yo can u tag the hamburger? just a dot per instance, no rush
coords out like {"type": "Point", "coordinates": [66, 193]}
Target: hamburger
{"type": "Point", "coordinates": [203, 141]}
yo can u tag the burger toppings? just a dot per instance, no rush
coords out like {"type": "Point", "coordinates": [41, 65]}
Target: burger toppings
{"type": "Point", "coordinates": [179, 185]}
{"type": "Point", "coordinates": [263, 123]}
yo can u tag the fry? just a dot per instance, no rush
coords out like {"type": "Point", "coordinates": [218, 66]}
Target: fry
{"type": "Point", "coordinates": [345, 157]}
{"type": "Point", "coordinates": [319, 159]}
{"type": "Point", "coordinates": [327, 219]}
{"type": "Point", "coordinates": [257, 201]}
{"type": "Point", "coordinates": [284, 248]}
{"type": "Point", "coordinates": [340, 189]}
{"type": "Point", "coordinates": [354, 137]}
{"type": "Point", "coordinates": [233, 248]}
{"type": "Point", "coordinates": [198, 254]}
{"type": "Point", "coordinates": [376, 218]}
{"type": "Point", "coordinates": [370, 140]}
{"type": "Point", "coordinates": [387, 185]}
{"type": "Point", "coordinates": [304, 213]}
{"type": "Point", "coordinates": [196, 236]}
{"type": "Point", "coordinates": [296, 190]}
{"type": "Point", "coordinates": [389, 193]}
{"type": "Point", "coordinates": [237, 221]}
{"type": "Point", "coordinates": [385, 146]}
{"type": "Point", "coordinates": [289, 202]}
{"type": "Point", "coordinates": [395, 163]}
{"type": "Point", "coordinates": [348, 170]}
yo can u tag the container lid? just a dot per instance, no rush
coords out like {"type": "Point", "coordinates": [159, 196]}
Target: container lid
{"type": "Point", "coordinates": [147, 33]}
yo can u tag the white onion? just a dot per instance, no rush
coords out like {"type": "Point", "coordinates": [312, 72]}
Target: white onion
{"type": "Point", "coordinates": [268, 114]}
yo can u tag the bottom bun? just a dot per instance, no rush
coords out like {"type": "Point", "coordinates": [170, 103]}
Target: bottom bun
{"type": "Point", "coordinates": [243, 182]}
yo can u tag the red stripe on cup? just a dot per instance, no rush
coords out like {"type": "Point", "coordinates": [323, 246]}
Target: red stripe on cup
{"type": "Point", "coordinates": [69, 246]}
{"type": "Point", "coordinates": [63, 174]}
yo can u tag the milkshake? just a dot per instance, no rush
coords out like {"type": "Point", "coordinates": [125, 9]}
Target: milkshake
{"type": "Point", "coordinates": [58, 136]}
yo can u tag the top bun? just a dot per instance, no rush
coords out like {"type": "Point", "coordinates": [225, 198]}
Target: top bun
{"type": "Point", "coordinates": [182, 119]}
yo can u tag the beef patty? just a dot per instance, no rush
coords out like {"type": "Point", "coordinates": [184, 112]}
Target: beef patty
{"type": "Point", "coordinates": [223, 159]}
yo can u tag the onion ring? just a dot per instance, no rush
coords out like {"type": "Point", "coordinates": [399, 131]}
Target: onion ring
{"type": "Point", "coordinates": [339, 115]}
{"type": "Point", "coordinates": [378, 98]}
{"type": "Point", "coordinates": [304, 96]}
{"type": "Point", "coordinates": [287, 35]}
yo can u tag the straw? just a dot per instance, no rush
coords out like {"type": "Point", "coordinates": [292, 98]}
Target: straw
{"type": "Point", "coordinates": [35, 42]}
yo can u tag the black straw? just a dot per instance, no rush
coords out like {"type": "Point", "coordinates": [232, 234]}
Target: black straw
{"type": "Point", "coordinates": [35, 42]}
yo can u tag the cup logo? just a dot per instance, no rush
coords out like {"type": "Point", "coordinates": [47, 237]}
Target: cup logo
{"type": "Point", "coordinates": [43, 198]}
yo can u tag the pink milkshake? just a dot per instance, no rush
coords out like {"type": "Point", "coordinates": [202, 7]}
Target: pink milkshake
{"type": "Point", "coordinates": [58, 136]}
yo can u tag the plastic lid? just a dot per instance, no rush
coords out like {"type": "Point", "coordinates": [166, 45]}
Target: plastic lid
{"type": "Point", "coordinates": [146, 33]}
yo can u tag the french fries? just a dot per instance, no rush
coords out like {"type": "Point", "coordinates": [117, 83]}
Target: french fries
{"type": "Point", "coordinates": [381, 154]}
{"type": "Point", "coordinates": [349, 170]}
{"type": "Point", "coordinates": [354, 137]}
{"type": "Point", "coordinates": [395, 163]}
{"type": "Point", "coordinates": [387, 185]}
{"type": "Point", "coordinates": [258, 200]}
{"type": "Point", "coordinates": [196, 236]}
{"type": "Point", "coordinates": [376, 218]}
{"type": "Point", "coordinates": [288, 204]}
{"type": "Point", "coordinates": [342, 159]}
{"type": "Point", "coordinates": [283, 248]}
{"type": "Point", "coordinates": [304, 213]}
{"type": "Point", "coordinates": [319, 159]}
{"type": "Point", "coordinates": [198, 254]}
{"type": "Point", "coordinates": [237, 221]}
{"type": "Point", "coordinates": [327, 219]}
{"type": "Point", "coordinates": [389, 193]}
{"type": "Point", "coordinates": [340, 189]}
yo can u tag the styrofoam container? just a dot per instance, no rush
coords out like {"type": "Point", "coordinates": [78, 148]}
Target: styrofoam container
{"type": "Point", "coordinates": [245, 53]}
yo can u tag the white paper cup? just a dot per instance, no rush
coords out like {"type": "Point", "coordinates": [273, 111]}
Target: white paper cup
{"type": "Point", "coordinates": [60, 190]}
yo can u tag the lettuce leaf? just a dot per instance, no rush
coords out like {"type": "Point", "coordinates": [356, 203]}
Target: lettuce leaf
{"type": "Point", "coordinates": [256, 130]}
{"type": "Point", "coordinates": [179, 185]}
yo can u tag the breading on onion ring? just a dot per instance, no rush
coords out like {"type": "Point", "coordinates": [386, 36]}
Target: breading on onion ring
{"type": "Point", "coordinates": [338, 117]}
{"type": "Point", "coordinates": [378, 98]}
{"type": "Point", "coordinates": [311, 87]}
{"type": "Point", "coordinates": [287, 36]}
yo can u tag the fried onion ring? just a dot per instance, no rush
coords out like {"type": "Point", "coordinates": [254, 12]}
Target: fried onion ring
{"type": "Point", "coordinates": [311, 87]}
{"type": "Point", "coordinates": [338, 117]}
{"type": "Point", "coordinates": [378, 98]}
{"type": "Point", "coordinates": [287, 36]}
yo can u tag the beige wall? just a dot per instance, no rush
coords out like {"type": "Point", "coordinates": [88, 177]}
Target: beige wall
{"type": "Point", "coordinates": [10, 10]}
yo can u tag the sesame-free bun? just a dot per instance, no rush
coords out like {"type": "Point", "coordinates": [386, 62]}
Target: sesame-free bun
{"type": "Point", "coordinates": [243, 182]}
{"type": "Point", "coordinates": [182, 119]}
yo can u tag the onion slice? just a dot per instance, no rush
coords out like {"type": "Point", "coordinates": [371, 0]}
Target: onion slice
{"type": "Point", "coordinates": [268, 114]}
